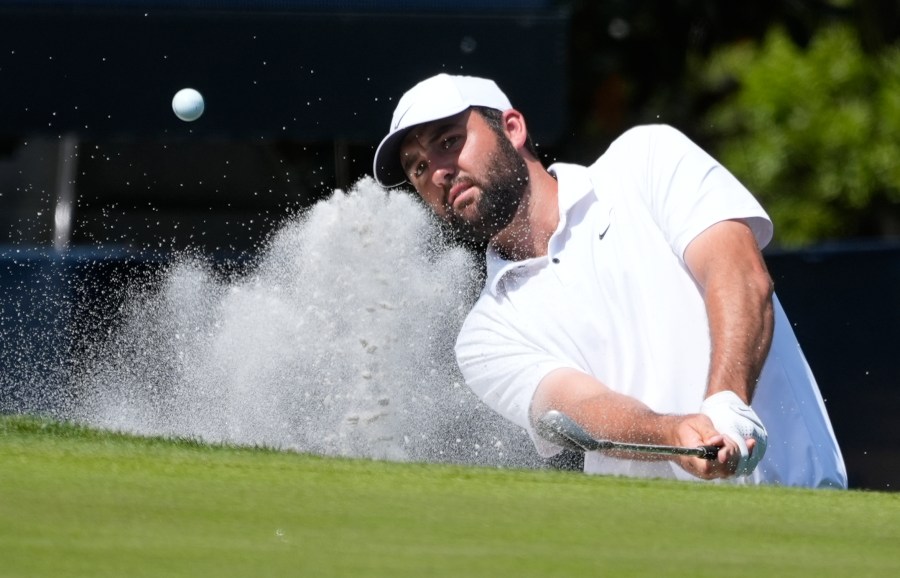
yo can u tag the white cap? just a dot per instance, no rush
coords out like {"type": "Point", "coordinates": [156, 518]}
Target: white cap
{"type": "Point", "coordinates": [438, 97]}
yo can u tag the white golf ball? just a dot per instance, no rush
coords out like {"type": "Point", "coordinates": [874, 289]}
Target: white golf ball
{"type": "Point", "coordinates": [188, 104]}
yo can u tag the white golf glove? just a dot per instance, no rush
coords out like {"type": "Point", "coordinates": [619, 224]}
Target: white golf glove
{"type": "Point", "coordinates": [737, 420]}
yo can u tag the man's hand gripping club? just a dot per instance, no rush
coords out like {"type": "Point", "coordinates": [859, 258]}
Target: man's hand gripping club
{"type": "Point", "coordinates": [737, 420]}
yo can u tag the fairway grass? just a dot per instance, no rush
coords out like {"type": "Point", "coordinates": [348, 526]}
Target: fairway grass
{"type": "Point", "coordinates": [80, 502]}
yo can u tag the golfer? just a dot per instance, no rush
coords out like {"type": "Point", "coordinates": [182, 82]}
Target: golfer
{"type": "Point", "coordinates": [630, 295]}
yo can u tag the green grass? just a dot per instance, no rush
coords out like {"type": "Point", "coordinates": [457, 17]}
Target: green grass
{"type": "Point", "coordinates": [78, 502]}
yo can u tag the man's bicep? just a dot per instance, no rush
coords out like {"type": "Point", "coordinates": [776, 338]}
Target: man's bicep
{"type": "Point", "coordinates": [725, 245]}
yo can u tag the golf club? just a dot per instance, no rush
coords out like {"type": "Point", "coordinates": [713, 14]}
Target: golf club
{"type": "Point", "coordinates": [559, 428]}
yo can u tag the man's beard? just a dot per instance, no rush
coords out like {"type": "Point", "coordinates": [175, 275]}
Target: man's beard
{"type": "Point", "coordinates": [501, 192]}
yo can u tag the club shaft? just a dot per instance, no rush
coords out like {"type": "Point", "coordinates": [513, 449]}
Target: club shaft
{"type": "Point", "coordinates": [700, 452]}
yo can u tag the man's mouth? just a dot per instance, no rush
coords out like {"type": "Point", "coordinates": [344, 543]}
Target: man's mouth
{"type": "Point", "coordinates": [458, 190]}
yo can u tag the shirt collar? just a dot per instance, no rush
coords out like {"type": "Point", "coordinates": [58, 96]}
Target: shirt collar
{"type": "Point", "coordinates": [574, 184]}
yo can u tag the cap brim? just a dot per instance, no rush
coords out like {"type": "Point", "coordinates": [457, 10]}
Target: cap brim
{"type": "Point", "coordinates": [387, 169]}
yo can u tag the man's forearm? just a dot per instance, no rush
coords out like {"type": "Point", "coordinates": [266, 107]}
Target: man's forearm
{"type": "Point", "coordinates": [602, 412]}
{"type": "Point", "coordinates": [737, 290]}
{"type": "Point", "coordinates": [741, 322]}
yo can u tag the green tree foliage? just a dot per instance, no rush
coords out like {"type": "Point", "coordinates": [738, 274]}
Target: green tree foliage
{"type": "Point", "coordinates": [813, 131]}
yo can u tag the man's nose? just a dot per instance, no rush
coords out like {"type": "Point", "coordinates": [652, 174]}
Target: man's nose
{"type": "Point", "coordinates": [443, 173]}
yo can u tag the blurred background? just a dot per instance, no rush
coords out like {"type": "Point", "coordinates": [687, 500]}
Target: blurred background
{"type": "Point", "coordinates": [100, 183]}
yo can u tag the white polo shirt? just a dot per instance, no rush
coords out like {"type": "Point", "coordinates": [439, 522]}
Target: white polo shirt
{"type": "Point", "coordinates": [613, 298]}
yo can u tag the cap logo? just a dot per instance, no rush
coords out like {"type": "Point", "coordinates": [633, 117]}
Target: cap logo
{"type": "Point", "coordinates": [400, 119]}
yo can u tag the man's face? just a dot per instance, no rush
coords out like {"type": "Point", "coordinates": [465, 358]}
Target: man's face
{"type": "Point", "coordinates": [468, 174]}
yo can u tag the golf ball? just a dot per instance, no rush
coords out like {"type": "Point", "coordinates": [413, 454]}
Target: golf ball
{"type": "Point", "coordinates": [188, 104]}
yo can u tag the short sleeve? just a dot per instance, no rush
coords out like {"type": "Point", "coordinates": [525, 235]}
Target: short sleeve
{"type": "Point", "coordinates": [685, 189]}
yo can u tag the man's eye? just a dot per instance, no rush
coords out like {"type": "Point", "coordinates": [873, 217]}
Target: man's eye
{"type": "Point", "coordinates": [449, 142]}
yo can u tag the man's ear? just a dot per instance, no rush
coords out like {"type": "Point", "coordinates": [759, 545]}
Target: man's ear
{"type": "Point", "coordinates": [515, 128]}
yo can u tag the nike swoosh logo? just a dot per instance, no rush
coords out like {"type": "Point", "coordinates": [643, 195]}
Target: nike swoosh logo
{"type": "Point", "coordinates": [603, 234]}
{"type": "Point", "coordinates": [399, 120]}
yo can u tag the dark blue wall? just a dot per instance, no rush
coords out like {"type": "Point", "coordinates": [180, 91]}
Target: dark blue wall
{"type": "Point", "coordinates": [305, 75]}
{"type": "Point", "coordinates": [844, 303]}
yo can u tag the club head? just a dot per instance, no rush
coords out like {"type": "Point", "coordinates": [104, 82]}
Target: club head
{"type": "Point", "coordinates": [556, 427]}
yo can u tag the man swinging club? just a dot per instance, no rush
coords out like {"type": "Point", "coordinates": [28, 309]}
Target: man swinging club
{"type": "Point", "coordinates": [630, 295]}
